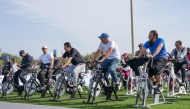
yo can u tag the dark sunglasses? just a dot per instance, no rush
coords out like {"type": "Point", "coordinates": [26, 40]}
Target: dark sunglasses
{"type": "Point", "coordinates": [140, 46]}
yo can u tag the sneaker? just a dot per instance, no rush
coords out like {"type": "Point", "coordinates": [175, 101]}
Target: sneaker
{"type": "Point", "coordinates": [182, 84]}
{"type": "Point", "coordinates": [159, 89]}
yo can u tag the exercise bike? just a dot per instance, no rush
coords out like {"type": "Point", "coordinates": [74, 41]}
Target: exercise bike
{"type": "Point", "coordinates": [8, 86]}
{"type": "Point", "coordinates": [173, 82]}
{"type": "Point", "coordinates": [98, 84]}
{"type": "Point", "coordinates": [144, 90]}
{"type": "Point", "coordinates": [32, 86]}
{"type": "Point", "coordinates": [62, 87]}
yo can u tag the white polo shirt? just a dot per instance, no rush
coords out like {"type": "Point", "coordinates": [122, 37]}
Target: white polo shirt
{"type": "Point", "coordinates": [115, 53]}
{"type": "Point", "coordinates": [46, 58]}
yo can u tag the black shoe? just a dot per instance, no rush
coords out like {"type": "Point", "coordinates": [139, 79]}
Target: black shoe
{"type": "Point", "coordinates": [158, 90]}
{"type": "Point", "coordinates": [154, 85]}
{"type": "Point", "coordinates": [182, 84]}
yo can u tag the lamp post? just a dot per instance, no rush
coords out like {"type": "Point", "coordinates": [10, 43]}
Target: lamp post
{"type": "Point", "coordinates": [132, 31]}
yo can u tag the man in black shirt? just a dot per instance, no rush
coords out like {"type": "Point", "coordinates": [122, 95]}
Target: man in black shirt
{"type": "Point", "coordinates": [27, 62]}
{"type": "Point", "coordinates": [77, 63]}
{"type": "Point", "coordinates": [7, 69]}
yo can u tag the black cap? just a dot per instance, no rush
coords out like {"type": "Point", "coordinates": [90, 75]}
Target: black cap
{"type": "Point", "coordinates": [21, 52]}
{"type": "Point", "coordinates": [141, 44]}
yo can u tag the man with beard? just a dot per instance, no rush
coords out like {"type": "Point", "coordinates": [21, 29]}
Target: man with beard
{"type": "Point", "coordinates": [158, 53]}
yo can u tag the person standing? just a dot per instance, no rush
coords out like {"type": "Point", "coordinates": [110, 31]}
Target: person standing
{"type": "Point", "coordinates": [15, 67]}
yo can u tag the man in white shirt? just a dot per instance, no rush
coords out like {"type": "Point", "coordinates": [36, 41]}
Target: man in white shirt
{"type": "Point", "coordinates": [15, 67]}
{"type": "Point", "coordinates": [46, 60]}
{"type": "Point", "coordinates": [112, 57]}
{"type": "Point", "coordinates": [180, 54]}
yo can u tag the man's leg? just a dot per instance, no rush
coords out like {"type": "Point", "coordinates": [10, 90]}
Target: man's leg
{"type": "Point", "coordinates": [159, 64]}
{"type": "Point", "coordinates": [183, 67]}
{"type": "Point", "coordinates": [112, 69]}
{"type": "Point", "coordinates": [177, 67]}
{"type": "Point", "coordinates": [16, 74]}
{"type": "Point", "coordinates": [68, 71]}
{"type": "Point", "coordinates": [41, 77]}
{"type": "Point", "coordinates": [78, 68]}
{"type": "Point", "coordinates": [22, 76]}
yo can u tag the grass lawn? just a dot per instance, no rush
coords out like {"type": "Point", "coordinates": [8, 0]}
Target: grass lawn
{"type": "Point", "coordinates": [179, 103]}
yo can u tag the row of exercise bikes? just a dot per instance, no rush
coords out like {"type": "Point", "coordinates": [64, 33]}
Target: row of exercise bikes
{"type": "Point", "coordinates": [98, 86]}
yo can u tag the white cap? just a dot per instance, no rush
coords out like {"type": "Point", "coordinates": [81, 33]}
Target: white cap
{"type": "Point", "coordinates": [44, 46]}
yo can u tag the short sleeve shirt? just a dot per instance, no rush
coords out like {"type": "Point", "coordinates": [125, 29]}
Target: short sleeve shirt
{"type": "Point", "coordinates": [8, 66]}
{"type": "Point", "coordinates": [111, 44]}
{"type": "Point", "coordinates": [162, 53]}
{"type": "Point", "coordinates": [46, 58]}
{"type": "Point", "coordinates": [77, 58]}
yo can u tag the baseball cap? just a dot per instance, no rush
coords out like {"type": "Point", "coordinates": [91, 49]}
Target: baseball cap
{"type": "Point", "coordinates": [141, 44]}
{"type": "Point", "coordinates": [21, 52]}
{"type": "Point", "coordinates": [44, 46]}
{"type": "Point", "coordinates": [103, 35]}
{"type": "Point", "coordinates": [6, 57]}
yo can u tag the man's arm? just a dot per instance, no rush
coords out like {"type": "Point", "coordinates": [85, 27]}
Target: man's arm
{"type": "Point", "coordinates": [96, 55]}
{"type": "Point", "coordinates": [141, 52]}
{"type": "Point", "coordinates": [29, 61]}
{"type": "Point", "coordinates": [60, 62]}
{"type": "Point", "coordinates": [68, 62]}
{"type": "Point", "coordinates": [107, 54]}
{"type": "Point", "coordinates": [35, 64]}
{"type": "Point", "coordinates": [183, 54]}
{"type": "Point", "coordinates": [157, 49]}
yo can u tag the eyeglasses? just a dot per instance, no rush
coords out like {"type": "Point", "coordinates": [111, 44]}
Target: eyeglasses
{"type": "Point", "coordinates": [140, 46]}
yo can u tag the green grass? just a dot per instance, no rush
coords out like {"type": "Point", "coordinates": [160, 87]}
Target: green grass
{"type": "Point", "coordinates": [179, 103]}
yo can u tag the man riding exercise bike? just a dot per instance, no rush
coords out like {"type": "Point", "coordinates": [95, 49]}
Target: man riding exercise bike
{"type": "Point", "coordinates": [180, 54]}
{"type": "Point", "coordinates": [7, 69]}
{"type": "Point", "coordinates": [27, 62]}
{"type": "Point", "coordinates": [45, 74]}
{"type": "Point", "coordinates": [158, 50]}
{"type": "Point", "coordinates": [77, 66]}
{"type": "Point", "coordinates": [112, 57]}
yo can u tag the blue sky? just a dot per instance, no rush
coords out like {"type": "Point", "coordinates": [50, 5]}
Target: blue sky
{"type": "Point", "coordinates": [29, 24]}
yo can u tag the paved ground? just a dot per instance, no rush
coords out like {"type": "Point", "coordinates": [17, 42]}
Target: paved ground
{"type": "Point", "coordinates": [6, 105]}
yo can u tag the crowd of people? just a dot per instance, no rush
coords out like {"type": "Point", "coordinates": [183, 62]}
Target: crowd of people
{"type": "Point", "coordinates": [110, 59]}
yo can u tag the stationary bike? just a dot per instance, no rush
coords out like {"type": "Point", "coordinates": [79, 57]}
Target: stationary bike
{"type": "Point", "coordinates": [62, 87]}
{"type": "Point", "coordinates": [32, 86]}
{"type": "Point", "coordinates": [144, 90]}
{"type": "Point", "coordinates": [96, 86]}
{"type": "Point", "coordinates": [8, 86]}
{"type": "Point", "coordinates": [173, 82]}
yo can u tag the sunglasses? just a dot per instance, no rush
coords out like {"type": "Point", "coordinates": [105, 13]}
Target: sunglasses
{"type": "Point", "coordinates": [140, 46]}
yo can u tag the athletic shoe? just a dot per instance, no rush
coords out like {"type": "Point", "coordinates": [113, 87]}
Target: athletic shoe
{"type": "Point", "coordinates": [159, 89]}
{"type": "Point", "coordinates": [182, 84]}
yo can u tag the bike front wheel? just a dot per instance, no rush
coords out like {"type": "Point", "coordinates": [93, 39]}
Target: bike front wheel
{"type": "Point", "coordinates": [8, 87]}
{"type": "Point", "coordinates": [30, 88]}
{"type": "Point", "coordinates": [92, 88]}
{"type": "Point", "coordinates": [60, 88]}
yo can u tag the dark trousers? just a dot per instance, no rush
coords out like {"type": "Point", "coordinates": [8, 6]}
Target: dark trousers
{"type": "Point", "coordinates": [5, 77]}
{"type": "Point", "coordinates": [21, 74]}
{"type": "Point", "coordinates": [43, 76]}
{"type": "Point", "coordinates": [180, 66]}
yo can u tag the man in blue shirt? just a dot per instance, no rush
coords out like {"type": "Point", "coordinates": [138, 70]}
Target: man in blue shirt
{"type": "Point", "coordinates": [158, 53]}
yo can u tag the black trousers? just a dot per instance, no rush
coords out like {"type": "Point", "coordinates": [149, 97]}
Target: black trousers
{"type": "Point", "coordinates": [5, 77]}
{"type": "Point", "coordinates": [43, 77]}
{"type": "Point", "coordinates": [21, 74]}
{"type": "Point", "coordinates": [180, 66]}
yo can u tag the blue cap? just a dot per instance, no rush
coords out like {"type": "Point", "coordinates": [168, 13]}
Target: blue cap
{"type": "Point", "coordinates": [6, 57]}
{"type": "Point", "coordinates": [104, 35]}
{"type": "Point", "coordinates": [21, 52]}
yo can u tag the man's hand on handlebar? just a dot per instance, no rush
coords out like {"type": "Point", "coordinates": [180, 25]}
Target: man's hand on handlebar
{"type": "Point", "coordinates": [91, 63]}
{"type": "Point", "coordinates": [149, 56]}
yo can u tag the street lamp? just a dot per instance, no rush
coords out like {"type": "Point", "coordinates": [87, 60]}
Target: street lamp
{"type": "Point", "coordinates": [132, 32]}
